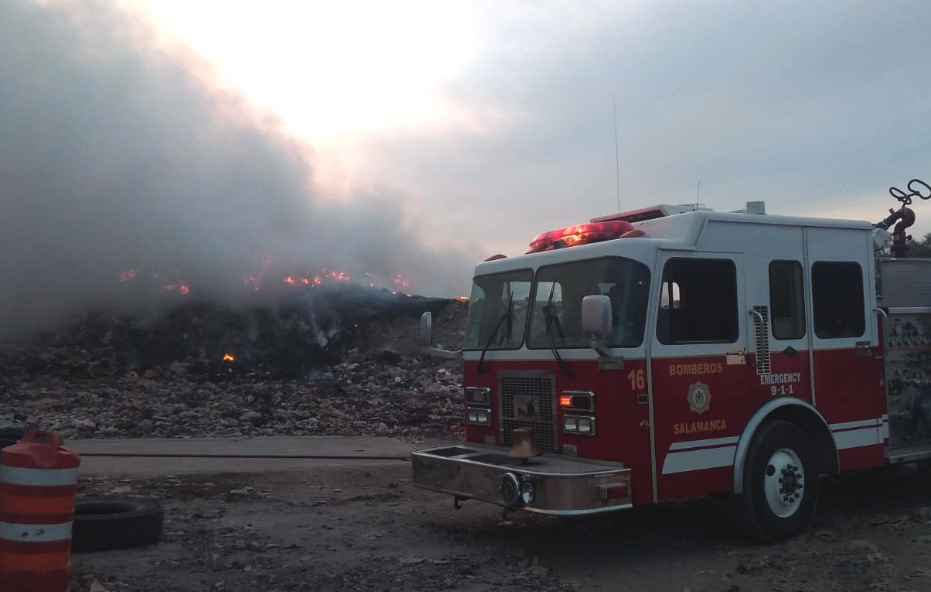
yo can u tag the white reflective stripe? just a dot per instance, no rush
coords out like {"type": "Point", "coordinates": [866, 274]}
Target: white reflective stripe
{"type": "Point", "coordinates": [855, 424]}
{"type": "Point", "coordinates": [884, 431]}
{"type": "Point", "coordinates": [697, 460]}
{"type": "Point", "coordinates": [34, 533]}
{"type": "Point", "coordinates": [703, 443]}
{"type": "Point", "coordinates": [40, 477]}
{"type": "Point", "coordinates": [857, 438]}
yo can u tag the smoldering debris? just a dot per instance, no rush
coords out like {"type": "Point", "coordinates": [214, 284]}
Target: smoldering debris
{"type": "Point", "coordinates": [302, 332]}
{"type": "Point", "coordinates": [371, 378]}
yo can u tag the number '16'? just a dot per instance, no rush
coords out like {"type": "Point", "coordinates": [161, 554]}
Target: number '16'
{"type": "Point", "coordinates": [637, 381]}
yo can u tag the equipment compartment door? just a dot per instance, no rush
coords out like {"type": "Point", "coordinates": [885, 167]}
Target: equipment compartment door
{"type": "Point", "coordinates": [700, 371]}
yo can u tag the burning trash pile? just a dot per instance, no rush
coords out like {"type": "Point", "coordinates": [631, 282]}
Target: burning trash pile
{"type": "Point", "coordinates": [343, 360]}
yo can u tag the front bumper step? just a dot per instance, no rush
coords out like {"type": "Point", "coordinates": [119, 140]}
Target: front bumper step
{"type": "Point", "coordinates": [560, 485]}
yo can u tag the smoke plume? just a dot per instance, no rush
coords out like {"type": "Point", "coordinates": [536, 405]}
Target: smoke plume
{"type": "Point", "coordinates": [121, 152]}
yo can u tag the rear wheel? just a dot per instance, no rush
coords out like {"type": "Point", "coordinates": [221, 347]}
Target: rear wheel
{"type": "Point", "coordinates": [780, 483]}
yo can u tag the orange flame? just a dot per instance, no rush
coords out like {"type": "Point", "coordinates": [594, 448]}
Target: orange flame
{"type": "Point", "coordinates": [181, 287]}
{"type": "Point", "coordinates": [400, 281]}
{"type": "Point", "coordinates": [461, 298]}
{"type": "Point", "coordinates": [228, 358]}
{"type": "Point", "coordinates": [317, 280]}
{"type": "Point", "coordinates": [255, 280]}
{"type": "Point", "coordinates": [125, 276]}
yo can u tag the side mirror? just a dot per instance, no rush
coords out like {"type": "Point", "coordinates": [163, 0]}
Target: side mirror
{"type": "Point", "coordinates": [426, 329]}
{"type": "Point", "coordinates": [597, 326]}
{"type": "Point", "coordinates": [426, 338]}
{"type": "Point", "coordinates": [596, 317]}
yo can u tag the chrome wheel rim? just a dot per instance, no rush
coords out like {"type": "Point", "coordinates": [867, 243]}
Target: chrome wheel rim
{"type": "Point", "coordinates": [783, 482]}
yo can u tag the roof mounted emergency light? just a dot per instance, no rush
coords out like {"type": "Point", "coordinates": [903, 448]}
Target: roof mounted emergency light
{"type": "Point", "coordinates": [583, 234]}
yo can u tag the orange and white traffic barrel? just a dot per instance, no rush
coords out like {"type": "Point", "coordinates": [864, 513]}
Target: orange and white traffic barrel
{"type": "Point", "coordinates": [38, 486]}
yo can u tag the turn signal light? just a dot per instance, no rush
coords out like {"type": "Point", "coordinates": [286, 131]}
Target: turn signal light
{"type": "Point", "coordinates": [577, 401]}
{"type": "Point", "coordinates": [478, 395]}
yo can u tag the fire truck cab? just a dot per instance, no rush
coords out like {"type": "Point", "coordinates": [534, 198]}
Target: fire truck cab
{"type": "Point", "coordinates": [673, 352]}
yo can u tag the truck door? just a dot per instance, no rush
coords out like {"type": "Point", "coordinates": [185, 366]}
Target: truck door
{"type": "Point", "coordinates": [700, 372]}
{"type": "Point", "coordinates": [779, 333]}
{"type": "Point", "coordinates": [849, 388]}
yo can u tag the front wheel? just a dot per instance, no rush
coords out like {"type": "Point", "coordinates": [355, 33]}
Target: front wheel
{"type": "Point", "coordinates": [780, 483]}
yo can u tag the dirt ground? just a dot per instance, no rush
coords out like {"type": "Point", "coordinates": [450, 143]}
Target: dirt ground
{"type": "Point", "coordinates": [369, 529]}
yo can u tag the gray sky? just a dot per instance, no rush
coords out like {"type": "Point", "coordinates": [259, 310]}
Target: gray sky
{"type": "Point", "coordinates": [199, 137]}
{"type": "Point", "coordinates": [816, 108]}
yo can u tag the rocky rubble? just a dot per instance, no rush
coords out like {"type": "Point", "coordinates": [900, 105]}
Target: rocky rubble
{"type": "Point", "coordinates": [365, 532]}
{"type": "Point", "coordinates": [383, 384]}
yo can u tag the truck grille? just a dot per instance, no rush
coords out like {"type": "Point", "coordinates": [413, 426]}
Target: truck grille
{"type": "Point", "coordinates": [520, 394]}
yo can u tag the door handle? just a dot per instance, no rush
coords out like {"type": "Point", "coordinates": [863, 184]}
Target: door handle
{"type": "Point", "coordinates": [881, 339]}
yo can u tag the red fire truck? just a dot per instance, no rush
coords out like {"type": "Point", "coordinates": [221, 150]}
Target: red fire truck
{"type": "Point", "coordinates": [674, 351]}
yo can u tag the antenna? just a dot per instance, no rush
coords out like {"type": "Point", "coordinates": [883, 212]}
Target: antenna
{"type": "Point", "coordinates": [617, 166]}
{"type": "Point", "coordinates": [698, 194]}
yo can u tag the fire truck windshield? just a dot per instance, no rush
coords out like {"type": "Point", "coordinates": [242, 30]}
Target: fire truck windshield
{"type": "Point", "coordinates": [498, 310]}
{"type": "Point", "coordinates": [556, 310]}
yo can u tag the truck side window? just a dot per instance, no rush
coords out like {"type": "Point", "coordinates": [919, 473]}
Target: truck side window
{"type": "Point", "coordinates": [787, 299]}
{"type": "Point", "coordinates": [837, 299]}
{"type": "Point", "coordinates": [704, 302]}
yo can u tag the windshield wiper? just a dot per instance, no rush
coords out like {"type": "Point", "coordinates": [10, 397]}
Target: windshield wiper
{"type": "Point", "coordinates": [551, 318]}
{"type": "Point", "coordinates": [506, 316]}
{"type": "Point", "coordinates": [509, 328]}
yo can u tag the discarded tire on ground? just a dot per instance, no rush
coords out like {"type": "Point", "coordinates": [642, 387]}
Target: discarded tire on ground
{"type": "Point", "coordinates": [104, 524]}
{"type": "Point", "coordinates": [10, 436]}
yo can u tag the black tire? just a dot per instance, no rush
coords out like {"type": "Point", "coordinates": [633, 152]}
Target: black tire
{"type": "Point", "coordinates": [764, 513]}
{"type": "Point", "coordinates": [104, 525]}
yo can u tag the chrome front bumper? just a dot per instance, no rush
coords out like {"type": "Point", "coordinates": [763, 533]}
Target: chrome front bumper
{"type": "Point", "coordinates": [561, 485]}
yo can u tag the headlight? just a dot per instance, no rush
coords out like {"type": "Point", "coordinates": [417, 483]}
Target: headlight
{"type": "Point", "coordinates": [478, 416]}
{"type": "Point", "coordinates": [582, 426]}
